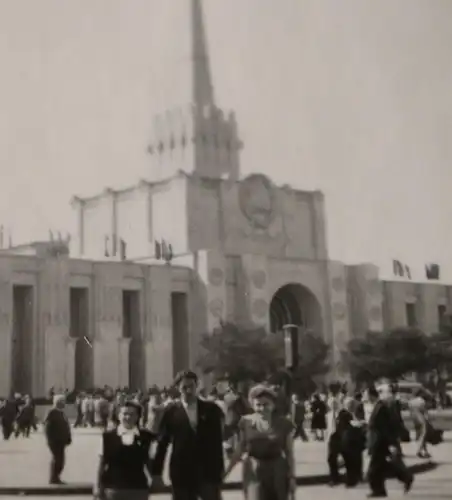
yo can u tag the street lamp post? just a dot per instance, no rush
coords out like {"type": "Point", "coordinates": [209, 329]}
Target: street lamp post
{"type": "Point", "coordinates": [290, 354]}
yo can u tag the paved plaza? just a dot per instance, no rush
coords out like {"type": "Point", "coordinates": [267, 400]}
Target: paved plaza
{"type": "Point", "coordinates": [433, 485]}
{"type": "Point", "coordinates": [25, 462]}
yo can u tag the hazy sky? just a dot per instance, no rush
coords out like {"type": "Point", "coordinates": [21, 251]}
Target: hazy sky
{"type": "Point", "coordinates": [353, 97]}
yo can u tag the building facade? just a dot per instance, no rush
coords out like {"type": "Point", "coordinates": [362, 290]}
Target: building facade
{"type": "Point", "coordinates": [244, 250]}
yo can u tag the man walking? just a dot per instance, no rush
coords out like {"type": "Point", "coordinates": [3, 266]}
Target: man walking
{"type": "Point", "coordinates": [193, 427]}
{"type": "Point", "coordinates": [383, 448]}
{"type": "Point", "coordinates": [58, 434]}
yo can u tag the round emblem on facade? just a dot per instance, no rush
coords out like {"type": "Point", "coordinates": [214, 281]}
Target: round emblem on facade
{"type": "Point", "coordinates": [256, 199]}
{"type": "Point", "coordinates": [259, 279]}
{"type": "Point", "coordinates": [216, 276]}
{"type": "Point", "coordinates": [259, 308]}
{"type": "Point", "coordinates": [339, 310]}
{"type": "Point", "coordinates": [338, 284]}
{"type": "Point", "coordinates": [216, 308]}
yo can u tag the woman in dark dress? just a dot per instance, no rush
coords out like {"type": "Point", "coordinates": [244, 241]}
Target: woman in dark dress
{"type": "Point", "coordinates": [266, 448]}
{"type": "Point", "coordinates": [319, 411]}
{"type": "Point", "coordinates": [125, 458]}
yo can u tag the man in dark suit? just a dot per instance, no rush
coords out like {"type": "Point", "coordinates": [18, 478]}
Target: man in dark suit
{"type": "Point", "coordinates": [383, 448]}
{"type": "Point", "coordinates": [58, 434]}
{"type": "Point", "coordinates": [193, 427]}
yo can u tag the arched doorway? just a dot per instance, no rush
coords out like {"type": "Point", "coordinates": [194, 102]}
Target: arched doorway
{"type": "Point", "coordinates": [294, 304]}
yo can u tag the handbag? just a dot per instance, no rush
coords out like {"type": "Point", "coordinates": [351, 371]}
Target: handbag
{"type": "Point", "coordinates": [434, 436]}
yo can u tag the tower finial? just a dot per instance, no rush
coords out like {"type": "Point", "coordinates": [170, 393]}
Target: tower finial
{"type": "Point", "coordinates": [203, 93]}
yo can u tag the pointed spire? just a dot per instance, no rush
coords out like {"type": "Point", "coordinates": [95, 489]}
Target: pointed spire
{"type": "Point", "coordinates": [190, 132]}
{"type": "Point", "coordinates": [203, 93]}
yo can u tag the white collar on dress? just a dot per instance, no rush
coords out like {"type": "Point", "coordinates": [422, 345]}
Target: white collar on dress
{"type": "Point", "coordinates": [121, 430]}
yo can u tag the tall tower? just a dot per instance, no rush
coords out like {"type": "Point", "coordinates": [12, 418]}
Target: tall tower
{"type": "Point", "coordinates": [191, 133]}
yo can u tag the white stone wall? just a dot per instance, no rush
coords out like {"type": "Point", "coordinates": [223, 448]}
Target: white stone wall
{"type": "Point", "coordinates": [133, 224]}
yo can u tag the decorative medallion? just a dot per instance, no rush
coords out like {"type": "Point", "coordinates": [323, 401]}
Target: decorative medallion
{"type": "Point", "coordinates": [216, 308]}
{"type": "Point", "coordinates": [257, 200]}
{"type": "Point", "coordinates": [259, 308]}
{"type": "Point", "coordinates": [339, 311]}
{"type": "Point", "coordinates": [337, 284]}
{"type": "Point", "coordinates": [259, 278]}
{"type": "Point", "coordinates": [216, 276]}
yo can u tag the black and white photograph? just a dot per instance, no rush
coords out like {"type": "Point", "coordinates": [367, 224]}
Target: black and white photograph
{"type": "Point", "coordinates": [225, 249]}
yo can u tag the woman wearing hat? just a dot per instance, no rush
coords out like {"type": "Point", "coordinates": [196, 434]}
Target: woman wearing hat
{"type": "Point", "coordinates": [266, 448]}
{"type": "Point", "coordinates": [124, 457]}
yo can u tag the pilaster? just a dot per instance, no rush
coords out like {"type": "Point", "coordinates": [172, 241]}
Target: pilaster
{"type": "Point", "coordinates": [340, 322]}
{"type": "Point", "coordinates": [6, 314]}
{"type": "Point", "coordinates": [107, 317]}
{"type": "Point", "coordinates": [51, 352]}
{"type": "Point", "coordinates": [59, 362]}
{"type": "Point", "coordinates": [123, 361]}
{"type": "Point", "coordinates": [254, 285]}
{"type": "Point", "coordinates": [159, 346]}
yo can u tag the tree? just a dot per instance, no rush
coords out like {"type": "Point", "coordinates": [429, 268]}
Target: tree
{"type": "Point", "coordinates": [439, 356]}
{"type": "Point", "coordinates": [364, 359]}
{"type": "Point", "coordinates": [241, 354]}
{"type": "Point", "coordinates": [390, 355]}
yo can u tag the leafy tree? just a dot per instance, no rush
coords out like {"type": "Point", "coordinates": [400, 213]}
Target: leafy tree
{"type": "Point", "coordinates": [439, 355]}
{"type": "Point", "coordinates": [253, 354]}
{"type": "Point", "coordinates": [391, 355]}
{"type": "Point", "coordinates": [241, 354]}
{"type": "Point", "coordinates": [313, 356]}
{"type": "Point", "coordinates": [363, 358]}
{"type": "Point", "coordinates": [405, 350]}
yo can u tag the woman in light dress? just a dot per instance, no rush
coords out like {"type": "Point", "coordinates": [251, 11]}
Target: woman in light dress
{"type": "Point", "coordinates": [265, 446]}
{"type": "Point", "coordinates": [419, 414]}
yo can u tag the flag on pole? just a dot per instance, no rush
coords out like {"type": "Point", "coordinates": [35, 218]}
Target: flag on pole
{"type": "Point", "coordinates": [408, 272]}
{"type": "Point", "coordinates": [398, 268]}
{"type": "Point", "coordinates": [158, 250]}
{"type": "Point", "coordinates": [122, 249]}
{"type": "Point", "coordinates": [432, 271]}
{"type": "Point", "coordinates": [106, 246]}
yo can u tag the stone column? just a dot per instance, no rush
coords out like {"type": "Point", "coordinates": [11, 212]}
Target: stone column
{"type": "Point", "coordinates": [71, 344]}
{"type": "Point", "coordinates": [59, 352]}
{"type": "Point", "coordinates": [52, 354]}
{"type": "Point", "coordinates": [107, 323]}
{"type": "Point", "coordinates": [159, 344]}
{"type": "Point", "coordinates": [6, 312]}
{"type": "Point", "coordinates": [123, 362]}
{"type": "Point", "coordinates": [106, 361]}
{"type": "Point", "coordinates": [340, 324]}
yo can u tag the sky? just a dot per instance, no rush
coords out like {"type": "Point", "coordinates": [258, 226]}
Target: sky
{"type": "Point", "coordinates": [352, 97]}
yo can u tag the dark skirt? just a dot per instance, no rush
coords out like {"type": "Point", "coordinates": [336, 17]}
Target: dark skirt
{"type": "Point", "coordinates": [318, 422]}
{"type": "Point", "coordinates": [126, 494]}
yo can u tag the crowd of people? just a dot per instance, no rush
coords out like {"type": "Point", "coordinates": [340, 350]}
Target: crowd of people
{"type": "Point", "coordinates": [205, 429]}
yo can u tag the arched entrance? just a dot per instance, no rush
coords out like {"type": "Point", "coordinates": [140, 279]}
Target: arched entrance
{"type": "Point", "coordinates": [294, 304]}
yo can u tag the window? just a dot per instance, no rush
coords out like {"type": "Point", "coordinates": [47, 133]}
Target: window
{"type": "Point", "coordinates": [442, 309]}
{"type": "Point", "coordinates": [410, 311]}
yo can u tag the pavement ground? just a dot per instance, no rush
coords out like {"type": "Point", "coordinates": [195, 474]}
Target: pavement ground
{"type": "Point", "coordinates": [433, 485]}
{"type": "Point", "coordinates": [24, 462]}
